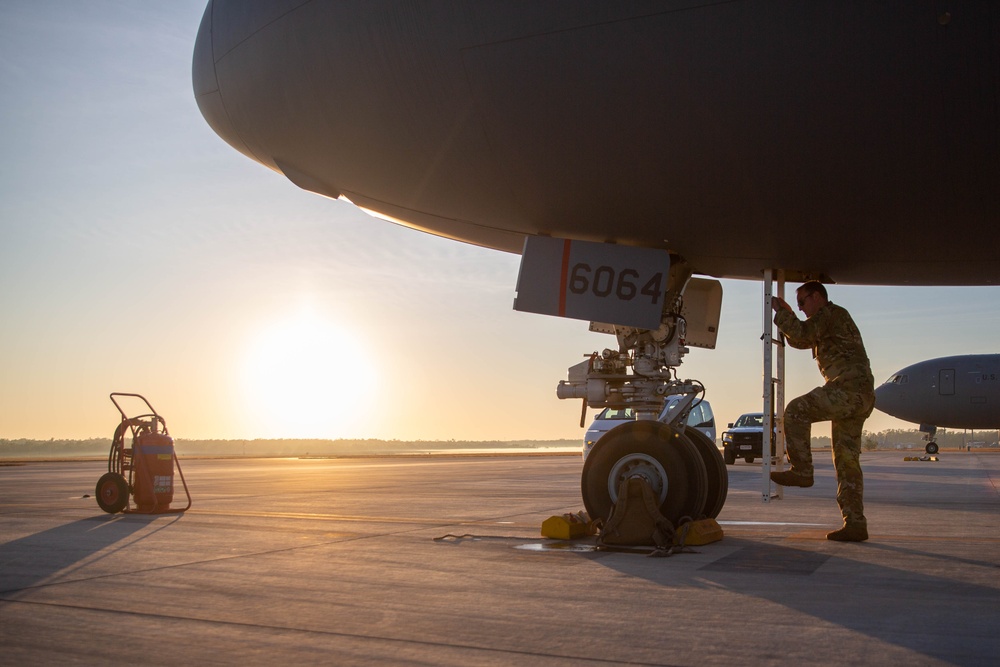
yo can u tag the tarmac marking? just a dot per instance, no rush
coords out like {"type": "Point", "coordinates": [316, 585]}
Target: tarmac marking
{"type": "Point", "coordinates": [766, 523]}
{"type": "Point", "coordinates": [937, 538]}
{"type": "Point", "coordinates": [360, 519]}
{"type": "Point", "coordinates": [821, 535]}
{"type": "Point", "coordinates": [308, 516]}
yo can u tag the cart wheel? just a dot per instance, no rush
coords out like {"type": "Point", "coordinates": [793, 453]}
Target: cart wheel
{"type": "Point", "coordinates": [112, 492]}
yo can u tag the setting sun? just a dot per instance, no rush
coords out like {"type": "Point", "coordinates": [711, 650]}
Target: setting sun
{"type": "Point", "coordinates": [306, 376]}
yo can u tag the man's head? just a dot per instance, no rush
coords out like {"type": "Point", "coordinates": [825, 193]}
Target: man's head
{"type": "Point", "coordinates": [811, 296]}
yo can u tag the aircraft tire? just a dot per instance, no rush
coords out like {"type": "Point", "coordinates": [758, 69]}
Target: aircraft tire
{"type": "Point", "coordinates": [715, 467]}
{"type": "Point", "coordinates": [112, 492]}
{"type": "Point", "coordinates": [666, 457]}
{"type": "Point", "coordinates": [931, 448]}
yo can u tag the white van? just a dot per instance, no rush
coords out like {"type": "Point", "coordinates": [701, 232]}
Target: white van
{"type": "Point", "coordinates": [701, 417]}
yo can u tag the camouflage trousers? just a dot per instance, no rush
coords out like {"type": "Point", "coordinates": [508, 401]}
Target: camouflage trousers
{"type": "Point", "coordinates": [847, 408]}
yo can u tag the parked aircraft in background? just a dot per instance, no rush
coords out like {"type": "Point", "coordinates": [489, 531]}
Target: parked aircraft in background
{"type": "Point", "coordinates": [623, 147]}
{"type": "Point", "coordinates": [950, 392]}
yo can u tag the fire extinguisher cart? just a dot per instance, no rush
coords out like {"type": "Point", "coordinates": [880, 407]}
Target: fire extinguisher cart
{"type": "Point", "coordinates": [142, 469]}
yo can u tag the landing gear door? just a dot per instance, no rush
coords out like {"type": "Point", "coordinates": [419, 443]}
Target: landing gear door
{"type": "Point", "coordinates": [601, 282]}
{"type": "Point", "coordinates": [702, 310]}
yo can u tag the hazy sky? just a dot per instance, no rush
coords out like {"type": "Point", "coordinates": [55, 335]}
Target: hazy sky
{"type": "Point", "coordinates": [140, 253]}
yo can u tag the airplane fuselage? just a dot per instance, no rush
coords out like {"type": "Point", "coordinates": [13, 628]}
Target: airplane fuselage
{"type": "Point", "coordinates": [952, 392]}
{"type": "Point", "coordinates": [855, 141]}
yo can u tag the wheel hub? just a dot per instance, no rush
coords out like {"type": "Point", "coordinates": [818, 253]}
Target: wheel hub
{"type": "Point", "coordinates": [638, 465]}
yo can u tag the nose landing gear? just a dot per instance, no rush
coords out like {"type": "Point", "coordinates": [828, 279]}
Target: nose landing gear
{"type": "Point", "coordinates": [682, 467]}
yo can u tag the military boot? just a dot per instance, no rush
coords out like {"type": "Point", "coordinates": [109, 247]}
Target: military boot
{"type": "Point", "coordinates": [851, 532]}
{"type": "Point", "coordinates": [792, 478]}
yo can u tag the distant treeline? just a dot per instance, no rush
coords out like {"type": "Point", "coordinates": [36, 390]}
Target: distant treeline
{"type": "Point", "coordinates": [948, 438]}
{"type": "Point", "coordinates": [24, 448]}
{"type": "Point", "coordinates": [914, 439]}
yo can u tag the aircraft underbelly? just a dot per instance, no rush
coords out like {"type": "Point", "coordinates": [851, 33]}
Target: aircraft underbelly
{"type": "Point", "coordinates": [968, 416]}
{"type": "Point", "coordinates": [854, 139]}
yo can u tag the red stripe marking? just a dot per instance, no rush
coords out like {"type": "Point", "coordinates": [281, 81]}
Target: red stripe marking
{"type": "Point", "coordinates": [564, 278]}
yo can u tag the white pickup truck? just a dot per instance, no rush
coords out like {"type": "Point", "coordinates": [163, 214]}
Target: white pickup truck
{"type": "Point", "coordinates": [701, 417]}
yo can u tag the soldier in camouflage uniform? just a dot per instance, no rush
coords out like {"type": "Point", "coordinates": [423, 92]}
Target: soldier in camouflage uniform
{"type": "Point", "coordinates": [846, 400]}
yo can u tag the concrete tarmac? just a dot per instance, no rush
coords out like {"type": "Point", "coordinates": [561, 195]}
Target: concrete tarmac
{"type": "Point", "coordinates": [336, 562]}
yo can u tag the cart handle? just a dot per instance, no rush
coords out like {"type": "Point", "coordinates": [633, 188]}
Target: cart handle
{"type": "Point", "coordinates": [152, 410]}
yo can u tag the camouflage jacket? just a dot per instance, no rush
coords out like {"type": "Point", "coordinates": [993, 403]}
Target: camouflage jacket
{"type": "Point", "coordinates": [835, 341]}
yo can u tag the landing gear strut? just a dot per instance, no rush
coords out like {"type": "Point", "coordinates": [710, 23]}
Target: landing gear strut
{"type": "Point", "coordinates": [683, 468]}
{"type": "Point", "coordinates": [931, 431]}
